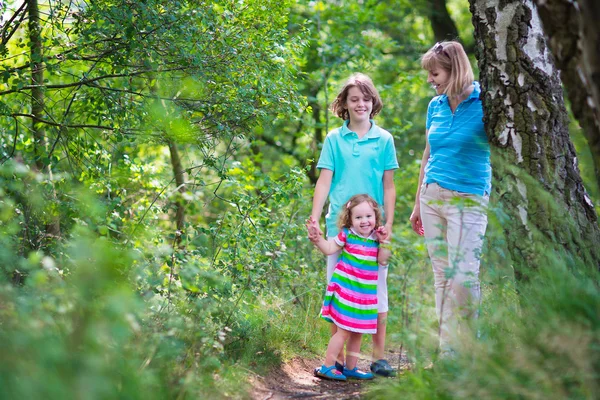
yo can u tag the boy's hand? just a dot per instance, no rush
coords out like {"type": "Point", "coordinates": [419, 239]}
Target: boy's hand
{"type": "Point", "coordinates": [314, 232]}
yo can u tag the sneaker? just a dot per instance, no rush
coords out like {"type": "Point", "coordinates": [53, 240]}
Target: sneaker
{"type": "Point", "coordinates": [382, 368]}
{"type": "Point", "coordinates": [355, 373]}
{"type": "Point", "coordinates": [329, 373]}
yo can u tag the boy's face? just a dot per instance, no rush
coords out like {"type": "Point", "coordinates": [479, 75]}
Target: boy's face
{"type": "Point", "coordinates": [359, 105]}
{"type": "Point", "coordinates": [363, 219]}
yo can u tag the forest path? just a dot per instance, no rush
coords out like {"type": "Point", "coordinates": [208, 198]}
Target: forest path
{"type": "Point", "coordinates": [295, 380]}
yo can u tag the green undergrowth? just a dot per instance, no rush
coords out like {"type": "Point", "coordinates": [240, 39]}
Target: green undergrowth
{"type": "Point", "coordinates": [536, 339]}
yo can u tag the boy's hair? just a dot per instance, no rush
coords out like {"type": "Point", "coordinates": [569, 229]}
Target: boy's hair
{"type": "Point", "coordinates": [366, 86]}
{"type": "Point", "coordinates": [451, 57]}
{"type": "Point", "coordinates": [345, 218]}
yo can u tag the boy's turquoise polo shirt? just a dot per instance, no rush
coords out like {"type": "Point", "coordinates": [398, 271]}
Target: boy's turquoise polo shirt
{"type": "Point", "coordinates": [357, 165]}
{"type": "Point", "coordinates": [459, 157]}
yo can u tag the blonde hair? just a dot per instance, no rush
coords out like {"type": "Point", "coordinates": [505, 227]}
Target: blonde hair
{"type": "Point", "coordinates": [451, 57]}
{"type": "Point", "coordinates": [366, 86]}
{"type": "Point", "coordinates": [345, 218]}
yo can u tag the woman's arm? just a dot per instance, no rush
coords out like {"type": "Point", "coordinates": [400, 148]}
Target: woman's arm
{"type": "Point", "coordinates": [415, 217]}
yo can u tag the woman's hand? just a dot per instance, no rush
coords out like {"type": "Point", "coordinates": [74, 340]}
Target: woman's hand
{"type": "Point", "coordinates": [415, 220]}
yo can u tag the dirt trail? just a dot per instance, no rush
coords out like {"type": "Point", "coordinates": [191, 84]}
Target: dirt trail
{"type": "Point", "coordinates": [295, 380]}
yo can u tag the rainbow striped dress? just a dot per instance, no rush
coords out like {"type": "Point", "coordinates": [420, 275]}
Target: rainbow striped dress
{"type": "Point", "coordinates": [351, 297]}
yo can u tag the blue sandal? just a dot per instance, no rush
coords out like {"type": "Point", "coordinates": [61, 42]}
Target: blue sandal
{"type": "Point", "coordinates": [329, 373]}
{"type": "Point", "coordinates": [355, 373]}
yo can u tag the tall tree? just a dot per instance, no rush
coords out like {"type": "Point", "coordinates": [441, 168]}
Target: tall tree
{"type": "Point", "coordinates": [537, 180]}
{"type": "Point", "coordinates": [442, 23]}
{"type": "Point", "coordinates": [574, 38]}
{"type": "Point", "coordinates": [86, 90]}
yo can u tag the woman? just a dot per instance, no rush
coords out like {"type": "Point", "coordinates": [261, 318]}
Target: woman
{"type": "Point", "coordinates": [454, 186]}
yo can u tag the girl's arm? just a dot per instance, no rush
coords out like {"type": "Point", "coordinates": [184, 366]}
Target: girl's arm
{"type": "Point", "coordinates": [415, 217]}
{"type": "Point", "coordinates": [327, 247]}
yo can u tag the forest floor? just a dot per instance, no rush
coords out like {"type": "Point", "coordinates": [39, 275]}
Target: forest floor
{"type": "Point", "coordinates": [295, 380]}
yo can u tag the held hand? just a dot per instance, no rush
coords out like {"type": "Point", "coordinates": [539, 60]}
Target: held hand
{"type": "Point", "coordinates": [382, 234]}
{"type": "Point", "coordinates": [415, 221]}
{"type": "Point", "coordinates": [314, 232]}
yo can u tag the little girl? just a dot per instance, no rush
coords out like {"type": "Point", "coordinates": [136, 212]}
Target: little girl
{"type": "Point", "coordinates": [351, 298]}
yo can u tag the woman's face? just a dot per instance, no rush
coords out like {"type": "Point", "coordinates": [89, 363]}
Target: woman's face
{"type": "Point", "coordinates": [438, 78]}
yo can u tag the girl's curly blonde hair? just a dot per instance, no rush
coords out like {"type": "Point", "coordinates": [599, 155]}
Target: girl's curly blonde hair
{"type": "Point", "coordinates": [345, 218]}
{"type": "Point", "coordinates": [366, 86]}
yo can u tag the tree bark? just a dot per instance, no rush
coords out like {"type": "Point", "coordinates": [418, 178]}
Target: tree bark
{"type": "Point", "coordinates": [37, 81]}
{"type": "Point", "coordinates": [52, 227]}
{"type": "Point", "coordinates": [565, 27]}
{"type": "Point", "coordinates": [590, 15]}
{"type": "Point", "coordinates": [536, 177]}
{"type": "Point", "coordinates": [442, 24]}
{"type": "Point", "coordinates": [180, 182]}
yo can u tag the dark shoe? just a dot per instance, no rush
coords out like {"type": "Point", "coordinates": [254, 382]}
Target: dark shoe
{"type": "Point", "coordinates": [355, 373]}
{"type": "Point", "coordinates": [382, 368]}
{"type": "Point", "coordinates": [329, 373]}
{"type": "Point", "coordinates": [339, 367]}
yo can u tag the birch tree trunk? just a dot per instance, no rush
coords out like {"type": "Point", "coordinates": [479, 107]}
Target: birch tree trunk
{"type": "Point", "coordinates": [536, 177]}
{"type": "Point", "coordinates": [567, 25]}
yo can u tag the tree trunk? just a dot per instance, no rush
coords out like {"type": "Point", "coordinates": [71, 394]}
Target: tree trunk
{"type": "Point", "coordinates": [590, 15]}
{"type": "Point", "coordinates": [180, 182]}
{"type": "Point", "coordinates": [37, 80]}
{"type": "Point", "coordinates": [52, 226]}
{"type": "Point", "coordinates": [442, 24]}
{"type": "Point", "coordinates": [564, 26]}
{"type": "Point", "coordinates": [536, 177]}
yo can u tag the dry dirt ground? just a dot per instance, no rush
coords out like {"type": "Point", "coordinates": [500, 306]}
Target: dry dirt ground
{"type": "Point", "coordinates": [295, 380]}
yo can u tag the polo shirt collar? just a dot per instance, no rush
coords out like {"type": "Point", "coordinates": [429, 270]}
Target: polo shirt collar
{"type": "Point", "coordinates": [474, 94]}
{"type": "Point", "coordinates": [372, 133]}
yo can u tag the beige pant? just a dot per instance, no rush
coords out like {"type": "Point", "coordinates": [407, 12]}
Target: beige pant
{"type": "Point", "coordinates": [454, 225]}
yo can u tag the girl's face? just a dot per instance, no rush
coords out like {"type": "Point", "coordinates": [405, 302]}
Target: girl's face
{"type": "Point", "coordinates": [363, 219]}
{"type": "Point", "coordinates": [359, 105]}
{"type": "Point", "coordinates": [438, 78]}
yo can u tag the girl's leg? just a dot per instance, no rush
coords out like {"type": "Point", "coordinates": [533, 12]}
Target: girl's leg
{"type": "Point", "coordinates": [353, 349]}
{"type": "Point", "coordinates": [435, 227]}
{"type": "Point", "coordinates": [331, 263]}
{"type": "Point", "coordinates": [336, 344]}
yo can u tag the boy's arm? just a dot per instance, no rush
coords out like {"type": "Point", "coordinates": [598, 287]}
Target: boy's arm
{"type": "Point", "coordinates": [321, 192]}
{"type": "Point", "coordinates": [389, 200]}
{"type": "Point", "coordinates": [384, 253]}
